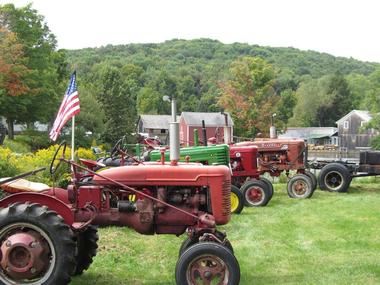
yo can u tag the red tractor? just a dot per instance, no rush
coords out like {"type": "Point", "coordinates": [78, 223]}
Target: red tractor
{"type": "Point", "coordinates": [256, 190]}
{"type": "Point", "coordinates": [284, 155]}
{"type": "Point", "coordinates": [49, 234]}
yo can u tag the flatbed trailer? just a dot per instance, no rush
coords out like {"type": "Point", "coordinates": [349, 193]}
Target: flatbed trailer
{"type": "Point", "coordinates": [336, 175]}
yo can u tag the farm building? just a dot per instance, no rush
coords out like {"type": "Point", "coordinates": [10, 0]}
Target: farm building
{"type": "Point", "coordinates": [318, 136]}
{"type": "Point", "coordinates": [351, 131]}
{"type": "Point", "coordinates": [155, 125]}
{"type": "Point", "coordinates": [215, 123]}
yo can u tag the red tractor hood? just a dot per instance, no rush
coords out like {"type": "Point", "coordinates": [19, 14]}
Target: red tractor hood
{"type": "Point", "coordinates": [158, 174]}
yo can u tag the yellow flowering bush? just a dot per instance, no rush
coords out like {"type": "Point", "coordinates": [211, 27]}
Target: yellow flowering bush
{"type": "Point", "coordinates": [12, 164]}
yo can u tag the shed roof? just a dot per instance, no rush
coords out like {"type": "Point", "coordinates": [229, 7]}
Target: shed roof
{"type": "Point", "coordinates": [156, 121]}
{"type": "Point", "coordinates": [211, 119]}
{"type": "Point", "coordinates": [364, 115]}
{"type": "Point", "coordinates": [309, 133]}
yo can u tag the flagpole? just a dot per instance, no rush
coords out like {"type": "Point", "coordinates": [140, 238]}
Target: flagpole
{"type": "Point", "coordinates": [72, 137]}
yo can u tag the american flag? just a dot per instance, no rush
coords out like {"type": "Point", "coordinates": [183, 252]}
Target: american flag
{"type": "Point", "coordinates": [69, 108]}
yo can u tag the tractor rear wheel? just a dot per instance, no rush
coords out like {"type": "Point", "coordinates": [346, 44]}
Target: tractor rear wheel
{"type": "Point", "coordinates": [36, 246]}
{"type": "Point", "coordinates": [300, 186]}
{"type": "Point", "coordinates": [269, 184]}
{"type": "Point", "coordinates": [87, 244]}
{"type": "Point", "coordinates": [313, 179]}
{"type": "Point", "coordinates": [256, 193]}
{"type": "Point", "coordinates": [207, 263]}
{"type": "Point", "coordinates": [334, 177]}
{"type": "Point", "coordinates": [237, 200]}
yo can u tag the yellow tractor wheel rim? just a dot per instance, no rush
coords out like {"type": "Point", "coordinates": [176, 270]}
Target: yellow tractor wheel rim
{"type": "Point", "coordinates": [234, 202]}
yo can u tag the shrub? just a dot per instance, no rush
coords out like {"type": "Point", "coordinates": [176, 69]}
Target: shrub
{"type": "Point", "coordinates": [34, 139]}
{"type": "Point", "coordinates": [16, 146]}
{"type": "Point", "coordinates": [7, 169]}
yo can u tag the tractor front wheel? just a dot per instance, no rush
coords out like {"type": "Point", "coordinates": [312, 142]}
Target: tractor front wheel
{"type": "Point", "coordinates": [207, 263]}
{"type": "Point", "coordinates": [300, 186]}
{"type": "Point", "coordinates": [256, 193]}
{"type": "Point", "coordinates": [87, 244]}
{"type": "Point", "coordinates": [237, 200]}
{"type": "Point", "coordinates": [36, 246]}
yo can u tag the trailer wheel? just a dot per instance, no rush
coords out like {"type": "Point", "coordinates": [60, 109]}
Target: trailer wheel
{"type": "Point", "coordinates": [87, 244]}
{"type": "Point", "coordinates": [256, 193]}
{"type": "Point", "coordinates": [313, 179]}
{"type": "Point", "coordinates": [300, 186]}
{"type": "Point", "coordinates": [334, 177]}
{"type": "Point", "coordinates": [36, 245]}
{"type": "Point", "coordinates": [269, 184]}
{"type": "Point", "coordinates": [189, 242]}
{"type": "Point", "coordinates": [237, 200]}
{"type": "Point", "coordinates": [207, 263]}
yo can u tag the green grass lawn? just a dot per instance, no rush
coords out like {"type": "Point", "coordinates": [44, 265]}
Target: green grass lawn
{"type": "Point", "coordinates": [329, 239]}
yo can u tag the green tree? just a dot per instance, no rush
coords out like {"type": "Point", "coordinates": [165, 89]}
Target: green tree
{"type": "Point", "coordinates": [249, 95]}
{"type": "Point", "coordinates": [321, 102]}
{"type": "Point", "coordinates": [117, 99]}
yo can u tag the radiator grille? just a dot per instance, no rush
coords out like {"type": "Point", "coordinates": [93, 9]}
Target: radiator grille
{"type": "Point", "coordinates": [226, 200]}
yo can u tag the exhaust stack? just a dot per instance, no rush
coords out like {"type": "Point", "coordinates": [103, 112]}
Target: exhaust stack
{"type": "Point", "coordinates": [272, 129]}
{"type": "Point", "coordinates": [204, 135]}
{"type": "Point", "coordinates": [174, 134]}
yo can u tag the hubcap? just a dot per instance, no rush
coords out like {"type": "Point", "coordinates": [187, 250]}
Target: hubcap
{"type": "Point", "coordinates": [333, 180]}
{"type": "Point", "coordinates": [26, 254]}
{"type": "Point", "coordinates": [254, 195]}
{"type": "Point", "coordinates": [300, 187]}
{"type": "Point", "coordinates": [207, 269]}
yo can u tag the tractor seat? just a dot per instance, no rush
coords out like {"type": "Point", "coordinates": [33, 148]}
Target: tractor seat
{"type": "Point", "coordinates": [23, 185]}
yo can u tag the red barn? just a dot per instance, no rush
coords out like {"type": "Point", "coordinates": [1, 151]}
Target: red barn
{"type": "Point", "coordinates": [215, 123]}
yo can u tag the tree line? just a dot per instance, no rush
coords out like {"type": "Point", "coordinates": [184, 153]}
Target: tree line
{"type": "Point", "coordinates": [117, 83]}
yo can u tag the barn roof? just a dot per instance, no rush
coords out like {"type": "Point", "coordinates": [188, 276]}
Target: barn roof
{"type": "Point", "coordinates": [211, 119]}
{"type": "Point", "coordinates": [309, 133]}
{"type": "Point", "coordinates": [364, 115]}
{"type": "Point", "coordinates": [156, 121]}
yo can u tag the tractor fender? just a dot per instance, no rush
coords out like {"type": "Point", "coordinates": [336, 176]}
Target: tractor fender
{"type": "Point", "coordinates": [45, 200]}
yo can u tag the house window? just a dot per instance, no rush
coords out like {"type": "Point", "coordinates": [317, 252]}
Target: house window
{"type": "Point", "coordinates": [163, 131]}
{"type": "Point", "coordinates": [345, 125]}
{"type": "Point", "coordinates": [362, 123]}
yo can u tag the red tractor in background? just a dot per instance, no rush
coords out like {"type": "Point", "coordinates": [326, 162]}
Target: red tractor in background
{"type": "Point", "coordinates": [246, 179]}
{"type": "Point", "coordinates": [284, 155]}
{"type": "Point", "coordinates": [49, 234]}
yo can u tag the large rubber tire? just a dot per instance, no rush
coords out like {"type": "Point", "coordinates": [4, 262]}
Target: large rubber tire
{"type": "Point", "coordinates": [256, 193]}
{"type": "Point", "coordinates": [334, 177]}
{"type": "Point", "coordinates": [87, 244]}
{"type": "Point", "coordinates": [237, 200]}
{"type": "Point", "coordinates": [52, 236]}
{"type": "Point", "coordinates": [189, 242]}
{"type": "Point", "coordinates": [313, 178]}
{"type": "Point", "coordinates": [300, 186]}
{"type": "Point", "coordinates": [193, 264]}
{"type": "Point", "coordinates": [269, 184]}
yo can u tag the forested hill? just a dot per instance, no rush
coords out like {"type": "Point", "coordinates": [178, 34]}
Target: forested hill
{"type": "Point", "coordinates": [207, 51]}
{"type": "Point", "coordinates": [304, 88]}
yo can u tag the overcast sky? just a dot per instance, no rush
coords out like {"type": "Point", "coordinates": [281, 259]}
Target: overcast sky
{"type": "Point", "coordinates": [342, 28]}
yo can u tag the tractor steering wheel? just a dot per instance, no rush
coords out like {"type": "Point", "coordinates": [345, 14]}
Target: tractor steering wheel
{"type": "Point", "coordinates": [53, 169]}
{"type": "Point", "coordinates": [118, 147]}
